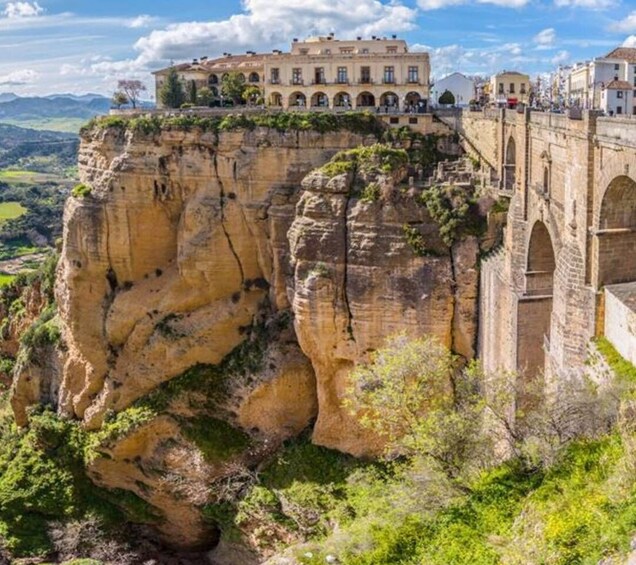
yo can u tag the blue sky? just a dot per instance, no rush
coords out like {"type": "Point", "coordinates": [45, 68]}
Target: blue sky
{"type": "Point", "coordinates": [86, 45]}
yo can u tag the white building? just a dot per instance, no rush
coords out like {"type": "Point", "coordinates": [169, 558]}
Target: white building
{"type": "Point", "coordinates": [617, 98]}
{"type": "Point", "coordinates": [606, 83]}
{"type": "Point", "coordinates": [460, 86]}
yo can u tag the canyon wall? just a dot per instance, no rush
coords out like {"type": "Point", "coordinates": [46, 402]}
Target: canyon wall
{"type": "Point", "coordinates": [194, 251]}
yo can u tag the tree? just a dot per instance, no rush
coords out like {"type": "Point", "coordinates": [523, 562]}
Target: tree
{"type": "Point", "coordinates": [132, 89]}
{"type": "Point", "coordinates": [412, 394]}
{"type": "Point", "coordinates": [191, 92]}
{"type": "Point", "coordinates": [447, 97]}
{"type": "Point", "coordinates": [205, 96]}
{"type": "Point", "coordinates": [233, 86]}
{"type": "Point", "coordinates": [171, 93]}
{"type": "Point", "coordinates": [119, 99]}
{"type": "Point", "coordinates": [252, 94]}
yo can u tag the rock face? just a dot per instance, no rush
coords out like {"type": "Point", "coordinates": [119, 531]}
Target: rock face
{"type": "Point", "coordinates": [187, 242]}
{"type": "Point", "coordinates": [181, 241]}
{"type": "Point", "coordinates": [357, 280]}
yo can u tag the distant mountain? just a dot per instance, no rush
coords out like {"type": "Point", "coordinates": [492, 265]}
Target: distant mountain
{"type": "Point", "coordinates": [7, 96]}
{"type": "Point", "coordinates": [12, 137]}
{"type": "Point", "coordinates": [63, 107]}
{"type": "Point", "coordinates": [78, 97]}
{"type": "Point", "coordinates": [19, 145]}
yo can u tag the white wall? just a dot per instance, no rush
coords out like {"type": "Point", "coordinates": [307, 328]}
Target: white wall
{"type": "Point", "coordinates": [462, 88]}
{"type": "Point", "coordinates": [620, 320]}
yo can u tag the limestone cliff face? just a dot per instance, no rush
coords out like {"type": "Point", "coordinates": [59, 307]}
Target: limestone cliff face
{"type": "Point", "coordinates": [181, 241]}
{"type": "Point", "coordinates": [191, 245]}
{"type": "Point", "coordinates": [357, 280]}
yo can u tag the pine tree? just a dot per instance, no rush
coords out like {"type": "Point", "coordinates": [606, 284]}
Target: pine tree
{"type": "Point", "coordinates": [171, 93]}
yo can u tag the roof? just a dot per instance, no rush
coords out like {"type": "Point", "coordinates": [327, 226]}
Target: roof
{"type": "Point", "coordinates": [511, 73]}
{"type": "Point", "coordinates": [230, 61]}
{"type": "Point", "coordinates": [619, 85]}
{"type": "Point", "coordinates": [624, 53]}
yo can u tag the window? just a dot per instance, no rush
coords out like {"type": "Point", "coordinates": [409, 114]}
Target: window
{"type": "Point", "coordinates": [365, 51]}
{"type": "Point", "coordinates": [619, 109]}
{"type": "Point", "coordinates": [391, 49]}
{"type": "Point", "coordinates": [346, 50]}
{"type": "Point", "coordinates": [365, 75]}
{"type": "Point", "coordinates": [512, 88]}
{"type": "Point", "coordinates": [413, 121]}
{"type": "Point", "coordinates": [327, 51]}
{"type": "Point", "coordinates": [617, 67]}
{"type": "Point", "coordinates": [389, 75]}
{"type": "Point", "coordinates": [522, 90]}
{"type": "Point", "coordinates": [319, 75]}
{"type": "Point", "coordinates": [619, 94]}
{"type": "Point", "coordinates": [342, 75]}
{"type": "Point", "coordinates": [275, 76]}
{"type": "Point", "coordinates": [297, 76]}
{"type": "Point", "coordinates": [501, 88]}
{"type": "Point", "coordinates": [304, 51]}
{"type": "Point", "coordinates": [394, 120]}
{"type": "Point", "coordinates": [414, 74]}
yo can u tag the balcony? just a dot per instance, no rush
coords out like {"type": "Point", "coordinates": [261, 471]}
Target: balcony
{"type": "Point", "coordinates": [274, 81]}
{"type": "Point", "coordinates": [342, 81]}
{"type": "Point", "coordinates": [365, 80]}
{"type": "Point", "coordinates": [319, 81]}
{"type": "Point", "coordinates": [387, 80]}
{"type": "Point", "coordinates": [297, 82]}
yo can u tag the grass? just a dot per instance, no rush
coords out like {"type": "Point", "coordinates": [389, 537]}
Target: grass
{"type": "Point", "coordinates": [23, 177]}
{"type": "Point", "coordinates": [6, 280]}
{"type": "Point", "coordinates": [11, 210]}
{"type": "Point", "coordinates": [67, 125]}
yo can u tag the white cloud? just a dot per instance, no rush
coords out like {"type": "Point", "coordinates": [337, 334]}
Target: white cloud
{"type": "Point", "coordinates": [437, 4]}
{"type": "Point", "coordinates": [141, 21]}
{"type": "Point", "coordinates": [545, 38]}
{"type": "Point", "coordinates": [627, 25]}
{"type": "Point", "coordinates": [22, 10]}
{"type": "Point", "coordinates": [560, 58]}
{"type": "Point", "coordinates": [630, 41]}
{"type": "Point", "coordinates": [265, 24]}
{"type": "Point", "coordinates": [590, 4]}
{"type": "Point", "coordinates": [17, 78]}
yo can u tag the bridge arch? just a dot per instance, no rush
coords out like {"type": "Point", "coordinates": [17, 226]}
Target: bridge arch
{"type": "Point", "coordinates": [616, 233]}
{"type": "Point", "coordinates": [510, 164]}
{"type": "Point", "coordinates": [535, 305]}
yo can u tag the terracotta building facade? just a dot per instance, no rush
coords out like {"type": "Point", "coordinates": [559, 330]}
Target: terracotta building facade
{"type": "Point", "coordinates": [323, 73]}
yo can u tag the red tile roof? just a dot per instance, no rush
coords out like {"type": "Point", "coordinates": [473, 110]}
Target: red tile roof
{"type": "Point", "coordinates": [619, 85]}
{"type": "Point", "coordinates": [625, 53]}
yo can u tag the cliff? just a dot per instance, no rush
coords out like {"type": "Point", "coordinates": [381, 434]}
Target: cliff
{"type": "Point", "coordinates": [214, 293]}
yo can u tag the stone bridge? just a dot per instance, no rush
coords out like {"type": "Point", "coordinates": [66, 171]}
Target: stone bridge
{"type": "Point", "coordinates": [571, 231]}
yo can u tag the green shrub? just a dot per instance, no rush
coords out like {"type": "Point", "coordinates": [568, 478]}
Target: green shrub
{"type": "Point", "coordinates": [415, 239]}
{"type": "Point", "coordinates": [81, 191]}
{"type": "Point", "coordinates": [217, 440]}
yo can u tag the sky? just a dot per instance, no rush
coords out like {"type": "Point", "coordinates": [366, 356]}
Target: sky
{"type": "Point", "coordinates": [80, 46]}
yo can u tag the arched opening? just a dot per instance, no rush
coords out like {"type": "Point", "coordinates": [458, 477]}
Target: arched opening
{"type": "Point", "coordinates": [319, 100]}
{"type": "Point", "coordinates": [241, 77]}
{"type": "Point", "coordinates": [616, 234]}
{"type": "Point", "coordinates": [297, 99]}
{"type": "Point", "coordinates": [342, 100]}
{"type": "Point", "coordinates": [254, 77]}
{"type": "Point", "coordinates": [276, 99]}
{"type": "Point", "coordinates": [389, 100]}
{"type": "Point", "coordinates": [546, 181]}
{"type": "Point", "coordinates": [535, 306]}
{"type": "Point", "coordinates": [414, 103]}
{"type": "Point", "coordinates": [510, 165]}
{"type": "Point", "coordinates": [365, 100]}
{"type": "Point", "coordinates": [213, 79]}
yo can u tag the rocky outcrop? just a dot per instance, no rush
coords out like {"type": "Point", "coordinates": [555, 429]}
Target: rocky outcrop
{"type": "Point", "coordinates": [357, 279]}
{"type": "Point", "coordinates": [214, 284]}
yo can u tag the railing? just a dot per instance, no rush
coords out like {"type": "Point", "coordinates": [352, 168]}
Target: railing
{"type": "Point", "coordinates": [297, 82]}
